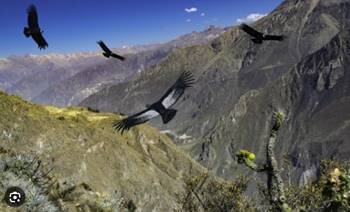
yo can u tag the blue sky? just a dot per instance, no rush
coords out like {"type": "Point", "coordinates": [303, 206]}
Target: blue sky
{"type": "Point", "coordinates": [76, 25]}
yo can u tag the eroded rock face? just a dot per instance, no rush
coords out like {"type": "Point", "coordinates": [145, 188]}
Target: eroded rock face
{"type": "Point", "coordinates": [142, 165]}
{"type": "Point", "coordinates": [239, 84]}
{"type": "Point", "coordinates": [317, 119]}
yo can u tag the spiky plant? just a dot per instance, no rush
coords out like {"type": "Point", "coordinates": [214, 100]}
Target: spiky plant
{"type": "Point", "coordinates": [27, 172]}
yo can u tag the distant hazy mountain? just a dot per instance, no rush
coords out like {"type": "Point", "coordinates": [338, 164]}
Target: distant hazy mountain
{"type": "Point", "coordinates": [31, 74]}
{"type": "Point", "coordinates": [66, 79]}
{"type": "Point", "coordinates": [240, 83]}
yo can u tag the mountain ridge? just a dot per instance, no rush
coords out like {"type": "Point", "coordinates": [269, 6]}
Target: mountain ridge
{"type": "Point", "coordinates": [48, 78]}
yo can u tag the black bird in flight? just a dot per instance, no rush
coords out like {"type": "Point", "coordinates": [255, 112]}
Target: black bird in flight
{"type": "Point", "coordinates": [33, 28]}
{"type": "Point", "coordinates": [259, 37]}
{"type": "Point", "coordinates": [161, 107]}
{"type": "Point", "coordinates": [107, 52]}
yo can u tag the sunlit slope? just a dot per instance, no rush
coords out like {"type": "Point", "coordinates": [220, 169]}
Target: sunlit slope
{"type": "Point", "coordinates": [83, 148]}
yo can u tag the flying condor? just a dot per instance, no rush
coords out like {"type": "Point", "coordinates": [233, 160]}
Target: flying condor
{"type": "Point", "coordinates": [33, 28]}
{"type": "Point", "coordinates": [259, 37]}
{"type": "Point", "coordinates": [161, 107]}
{"type": "Point", "coordinates": [107, 52]}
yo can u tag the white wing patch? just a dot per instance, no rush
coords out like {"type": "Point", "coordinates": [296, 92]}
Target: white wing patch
{"type": "Point", "coordinates": [169, 100]}
{"type": "Point", "coordinates": [148, 115]}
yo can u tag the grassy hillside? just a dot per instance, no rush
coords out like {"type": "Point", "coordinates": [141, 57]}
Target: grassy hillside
{"type": "Point", "coordinates": [143, 165]}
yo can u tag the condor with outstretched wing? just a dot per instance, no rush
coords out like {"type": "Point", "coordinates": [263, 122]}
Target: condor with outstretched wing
{"type": "Point", "coordinates": [33, 28]}
{"type": "Point", "coordinates": [107, 52]}
{"type": "Point", "coordinates": [161, 107]}
{"type": "Point", "coordinates": [259, 37]}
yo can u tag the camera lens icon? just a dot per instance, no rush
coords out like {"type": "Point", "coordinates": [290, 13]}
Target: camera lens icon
{"type": "Point", "coordinates": [14, 196]}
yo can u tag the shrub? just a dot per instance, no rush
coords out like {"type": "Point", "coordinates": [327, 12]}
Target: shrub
{"type": "Point", "coordinates": [206, 193]}
{"type": "Point", "coordinates": [331, 192]}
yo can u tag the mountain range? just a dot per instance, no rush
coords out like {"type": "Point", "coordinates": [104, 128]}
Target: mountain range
{"type": "Point", "coordinates": [66, 79]}
{"type": "Point", "coordinates": [239, 84]}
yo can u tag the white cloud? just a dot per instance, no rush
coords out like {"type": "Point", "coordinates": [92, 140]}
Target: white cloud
{"type": "Point", "coordinates": [188, 20]}
{"type": "Point", "coordinates": [251, 18]}
{"type": "Point", "coordinates": [191, 10]}
{"type": "Point", "coordinates": [202, 14]}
